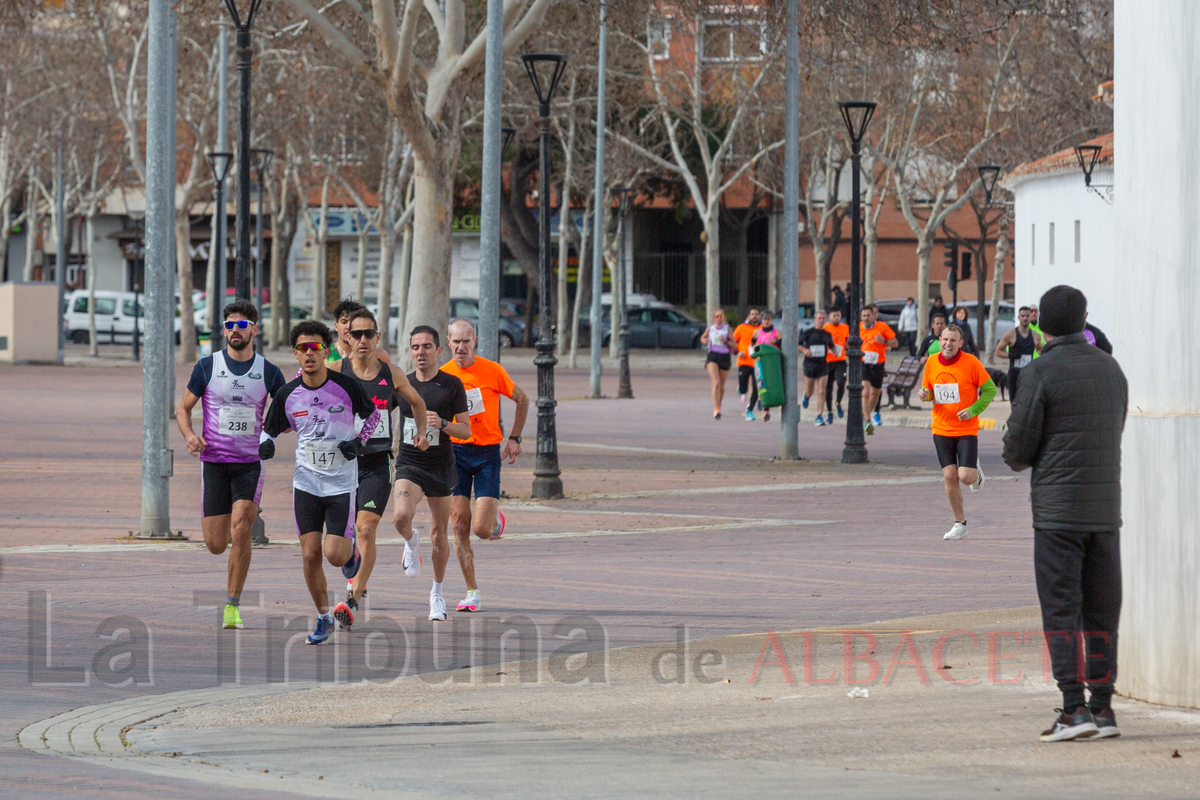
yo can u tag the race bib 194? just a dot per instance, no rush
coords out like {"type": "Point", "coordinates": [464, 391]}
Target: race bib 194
{"type": "Point", "coordinates": [323, 456]}
{"type": "Point", "coordinates": [236, 421]}
{"type": "Point", "coordinates": [817, 350]}
{"type": "Point", "coordinates": [432, 435]}
{"type": "Point", "coordinates": [870, 357]}
{"type": "Point", "coordinates": [946, 393]}
{"type": "Point", "coordinates": [474, 401]}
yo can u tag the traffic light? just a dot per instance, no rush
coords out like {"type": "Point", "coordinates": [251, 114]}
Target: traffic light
{"type": "Point", "coordinates": [966, 266]}
{"type": "Point", "coordinates": [951, 263]}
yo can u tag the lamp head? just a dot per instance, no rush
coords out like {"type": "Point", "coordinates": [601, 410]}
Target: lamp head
{"type": "Point", "coordinates": [506, 137]}
{"type": "Point", "coordinates": [545, 70]}
{"type": "Point", "coordinates": [1087, 155]}
{"type": "Point", "coordinates": [219, 163]}
{"type": "Point", "coordinates": [857, 116]}
{"type": "Point", "coordinates": [262, 158]}
{"type": "Point", "coordinates": [242, 12]}
{"type": "Point", "coordinates": [988, 175]}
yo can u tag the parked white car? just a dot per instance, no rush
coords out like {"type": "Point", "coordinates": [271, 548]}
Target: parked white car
{"type": "Point", "coordinates": [115, 314]}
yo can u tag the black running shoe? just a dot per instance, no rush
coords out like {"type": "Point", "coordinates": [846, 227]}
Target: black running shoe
{"type": "Point", "coordinates": [1106, 721]}
{"type": "Point", "coordinates": [1074, 724]}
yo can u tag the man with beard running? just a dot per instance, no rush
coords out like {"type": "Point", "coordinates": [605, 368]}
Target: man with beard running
{"type": "Point", "coordinates": [1018, 345]}
{"type": "Point", "coordinates": [233, 385]}
{"type": "Point", "coordinates": [835, 358]}
{"type": "Point", "coordinates": [382, 383]}
{"type": "Point", "coordinates": [322, 406]}
{"type": "Point", "coordinates": [743, 335]}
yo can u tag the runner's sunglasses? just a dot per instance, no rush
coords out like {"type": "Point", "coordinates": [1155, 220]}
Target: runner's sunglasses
{"type": "Point", "coordinates": [310, 347]}
{"type": "Point", "coordinates": [240, 324]}
{"type": "Point", "coordinates": [364, 334]}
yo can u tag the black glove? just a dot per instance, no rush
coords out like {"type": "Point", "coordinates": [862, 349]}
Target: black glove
{"type": "Point", "coordinates": [266, 449]}
{"type": "Point", "coordinates": [351, 449]}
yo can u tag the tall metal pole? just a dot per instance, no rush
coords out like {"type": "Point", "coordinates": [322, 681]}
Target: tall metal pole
{"type": "Point", "coordinates": [173, 274]}
{"type": "Point", "coordinates": [547, 481]}
{"type": "Point", "coordinates": [160, 185]}
{"type": "Point", "coordinates": [242, 267]}
{"type": "Point", "coordinates": [60, 244]}
{"type": "Point", "coordinates": [790, 419]}
{"type": "Point", "coordinates": [258, 255]}
{"type": "Point", "coordinates": [855, 451]}
{"type": "Point", "coordinates": [220, 215]}
{"type": "Point", "coordinates": [624, 386]}
{"type": "Point", "coordinates": [598, 210]}
{"type": "Point", "coordinates": [489, 204]}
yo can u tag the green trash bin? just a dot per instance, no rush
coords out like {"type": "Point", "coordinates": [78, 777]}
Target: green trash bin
{"type": "Point", "coordinates": [768, 371]}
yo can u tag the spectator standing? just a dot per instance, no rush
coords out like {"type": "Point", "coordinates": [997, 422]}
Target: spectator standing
{"type": "Point", "coordinates": [938, 307]}
{"type": "Point", "coordinates": [962, 318]}
{"type": "Point", "coordinates": [908, 326]}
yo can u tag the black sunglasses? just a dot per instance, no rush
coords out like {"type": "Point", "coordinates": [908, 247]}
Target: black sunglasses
{"type": "Point", "coordinates": [364, 334]}
{"type": "Point", "coordinates": [240, 324]}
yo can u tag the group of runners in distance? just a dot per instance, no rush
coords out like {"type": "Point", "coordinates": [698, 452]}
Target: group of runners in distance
{"type": "Point", "coordinates": [340, 406]}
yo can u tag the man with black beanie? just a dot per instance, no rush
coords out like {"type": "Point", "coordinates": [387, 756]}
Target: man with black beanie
{"type": "Point", "coordinates": [1066, 423]}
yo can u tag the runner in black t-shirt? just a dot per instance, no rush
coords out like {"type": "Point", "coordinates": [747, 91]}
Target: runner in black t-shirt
{"type": "Point", "coordinates": [816, 343]}
{"type": "Point", "coordinates": [432, 473]}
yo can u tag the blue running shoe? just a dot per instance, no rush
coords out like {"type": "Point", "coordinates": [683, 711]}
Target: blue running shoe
{"type": "Point", "coordinates": [877, 419]}
{"type": "Point", "coordinates": [350, 568]}
{"type": "Point", "coordinates": [840, 412]}
{"type": "Point", "coordinates": [324, 629]}
{"type": "Point", "coordinates": [804, 403]}
{"type": "Point", "coordinates": [829, 417]}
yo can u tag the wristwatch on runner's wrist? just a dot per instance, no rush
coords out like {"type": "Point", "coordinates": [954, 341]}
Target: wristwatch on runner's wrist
{"type": "Point", "coordinates": [516, 439]}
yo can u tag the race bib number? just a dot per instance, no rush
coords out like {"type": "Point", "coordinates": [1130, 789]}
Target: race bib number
{"type": "Point", "coordinates": [323, 456]}
{"type": "Point", "coordinates": [383, 428]}
{"type": "Point", "coordinates": [1023, 361]}
{"type": "Point", "coordinates": [236, 421]}
{"type": "Point", "coordinates": [432, 435]}
{"type": "Point", "coordinates": [817, 350]}
{"type": "Point", "coordinates": [474, 401]}
{"type": "Point", "coordinates": [946, 393]}
{"type": "Point", "coordinates": [870, 357]}
{"type": "Point", "coordinates": [838, 350]}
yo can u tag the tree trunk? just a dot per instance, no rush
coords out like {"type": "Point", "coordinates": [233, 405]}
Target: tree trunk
{"type": "Point", "coordinates": [1002, 245]}
{"type": "Point", "coordinates": [322, 256]}
{"type": "Point", "coordinates": [773, 261]}
{"type": "Point", "coordinates": [5, 235]}
{"type": "Point", "coordinates": [93, 345]}
{"type": "Point", "coordinates": [360, 280]}
{"type": "Point", "coordinates": [981, 289]}
{"type": "Point", "coordinates": [406, 242]}
{"type": "Point", "coordinates": [613, 256]}
{"type": "Point", "coordinates": [383, 303]}
{"type": "Point", "coordinates": [561, 304]}
{"type": "Point", "coordinates": [712, 262]}
{"type": "Point", "coordinates": [183, 262]}
{"type": "Point", "coordinates": [33, 223]}
{"type": "Point", "coordinates": [429, 283]}
{"type": "Point", "coordinates": [583, 283]}
{"type": "Point", "coordinates": [924, 251]}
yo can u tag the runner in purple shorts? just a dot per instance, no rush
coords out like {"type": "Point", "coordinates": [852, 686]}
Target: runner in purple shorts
{"type": "Point", "coordinates": [233, 386]}
{"type": "Point", "coordinates": [321, 406]}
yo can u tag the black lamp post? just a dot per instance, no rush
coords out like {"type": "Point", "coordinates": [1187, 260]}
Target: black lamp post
{"type": "Point", "coordinates": [219, 163]}
{"type": "Point", "coordinates": [262, 163]}
{"type": "Point", "coordinates": [243, 12]}
{"type": "Point", "coordinates": [545, 70]}
{"type": "Point", "coordinates": [857, 116]}
{"type": "Point", "coordinates": [988, 175]}
{"type": "Point", "coordinates": [1088, 156]}
{"type": "Point", "coordinates": [624, 388]}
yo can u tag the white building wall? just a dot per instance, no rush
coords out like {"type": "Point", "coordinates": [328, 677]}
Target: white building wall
{"type": "Point", "coordinates": [1156, 271]}
{"type": "Point", "coordinates": [1063, 201]}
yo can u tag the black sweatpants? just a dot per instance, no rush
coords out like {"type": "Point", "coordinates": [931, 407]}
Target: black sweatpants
{"type": "Point", "coordinates": [1079, 588]}
{"type": "Point", "coordinates": [748, 383]}
{"type": "Point", "coordinates": [837, 373]}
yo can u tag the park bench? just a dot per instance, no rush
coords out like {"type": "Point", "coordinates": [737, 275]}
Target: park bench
{"type": "Point", "coordinates": [903, 381]}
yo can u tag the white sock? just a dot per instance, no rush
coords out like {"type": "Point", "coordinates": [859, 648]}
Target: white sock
{"type": "Point", "coordinates": [415, 541]}
{"type": "Point", "coordinates": [327, 616]}
{"type": "Point", "coordinates": [437, 589]}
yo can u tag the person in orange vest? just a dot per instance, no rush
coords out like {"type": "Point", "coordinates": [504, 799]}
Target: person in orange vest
{"type": "Point", "coordinates": [877, 338]}
{"type": "Point", "coordinates": [743, 335]}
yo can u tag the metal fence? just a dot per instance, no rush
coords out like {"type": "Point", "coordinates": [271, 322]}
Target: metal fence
{"type": "Point", "coordinates": [679, 277]}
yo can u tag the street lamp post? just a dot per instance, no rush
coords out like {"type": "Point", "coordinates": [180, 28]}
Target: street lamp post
{"type": "Point", "coordinates": [243, 21]}
{"type": "Point", "coordinates": [219, 163]}
{"type": "Point", "coordinates": [988, 175]}
{"type": "Point", "coordinates": [262, 163]}
{"type": "Point", "coordinates": [624, 389]}
{"type": "Point", "coordinates": [857, 116]}
{"type": "Point", "coordinates": [545, 70]}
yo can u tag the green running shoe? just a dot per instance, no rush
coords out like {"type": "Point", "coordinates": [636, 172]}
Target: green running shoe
{"type": "Point", "coordinates": [233, 618]}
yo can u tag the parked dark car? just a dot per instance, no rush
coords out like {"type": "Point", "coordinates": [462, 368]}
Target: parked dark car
{"type": "Point", "coordinates": [512, 328]}
{"type": "Point", "coordinates": [659, 325]}
{"type": "Point", "coordinates": [806, 312]}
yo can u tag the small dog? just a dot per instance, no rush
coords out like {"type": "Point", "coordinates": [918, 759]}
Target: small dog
{"type": "Point", "coordinates": [1000, 378]}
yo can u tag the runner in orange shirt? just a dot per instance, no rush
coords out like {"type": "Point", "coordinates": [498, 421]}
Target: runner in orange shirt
{"type": "Point", "coordinates": [478, 458]}
{"type": "Point", "coordinates": [961, 389]}
{"type": "Point", "coordinates": [836, 359]}
{"type": "Point", "coordinates": [877, 338]}
{"type": "Point", "coordinates": [743, 335]}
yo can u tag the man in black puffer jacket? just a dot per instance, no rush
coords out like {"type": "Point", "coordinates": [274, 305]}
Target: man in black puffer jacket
{"type": "Point", "coordinates": [1066, 423]}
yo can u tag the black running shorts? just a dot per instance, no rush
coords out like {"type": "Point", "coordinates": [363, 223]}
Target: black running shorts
{"type": "Point", "coordinates": [222, 485]}
{"type": "Point", "coordinates": [815, 369]}
{"type": "Point", "coordinates": [432, 484]}
{"type": "Point", "coordinates": [962, 451]}
{"type": "Point", "coordinates": [722, 360]}
{"type": "Point", "coordinates": [374, 482]}
{"type": "Point", "coordinates": [329, 514]}
{"type": "Point", "coordinates": [746, 380]}
{"type": "Point", "coordinates": [873, 374]}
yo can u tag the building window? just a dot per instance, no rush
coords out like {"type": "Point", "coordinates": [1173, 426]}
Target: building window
{"type": "Point", "coordinates": [658, 36]}
{"type": "Point", "coordinates": [1032, 245]}
{"type": "Point", "coordinates": [1077, 242]}
{"type": "Point", "coordinates": [1051, 243]}
{"type": "Point", "coordinates": [1010, 292]}
{"type": "Point", "coordinates": [731, 37]}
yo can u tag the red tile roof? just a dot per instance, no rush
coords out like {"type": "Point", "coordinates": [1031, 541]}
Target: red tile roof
{"type": "Point", "coordinates": [1058, 163]}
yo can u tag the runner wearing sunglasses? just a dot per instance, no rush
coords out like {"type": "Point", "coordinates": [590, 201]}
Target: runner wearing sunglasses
{"type": "Point", "coordinates": [234, 385]}
{"type": "Point", "coordinates": [381, 383]}
{"type": "Point", "coordinates": [343, 347]}
{"type": "Point", "coordinates": [323, 407]}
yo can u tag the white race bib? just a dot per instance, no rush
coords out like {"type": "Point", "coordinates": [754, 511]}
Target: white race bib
{"type": "Point", "coordinates": [946, 393]}
{"type": "Point", "coordinates": [817, 350]}
{"type": "Point", "coordinates": [1023, 361]}
{"type": "Point", "coordinates": [838, 350]}
{"type": "Point", "coordinates": [474, 401]}
{"type": "Point", "coordinates": [235, 421]}
{"type": "Point", "coordinates": [323, 456]}
{"type": "Point", "coordinates": [432, 435]}
{"type": "Point", "coordinates": [870, 357]}
{"type": "Point", "coordinates": [383, 429]}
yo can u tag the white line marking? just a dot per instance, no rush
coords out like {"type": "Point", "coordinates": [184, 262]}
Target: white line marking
{"type": "Point", "coordinates": [656, 451]}
{"type": "Point", "coordinates": [772, 487]}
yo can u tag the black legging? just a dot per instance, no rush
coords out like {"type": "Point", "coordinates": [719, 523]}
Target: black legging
{"type": "Point", "coordinates": [837, 372]}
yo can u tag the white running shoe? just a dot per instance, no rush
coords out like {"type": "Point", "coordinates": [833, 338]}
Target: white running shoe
{"type": "Point", "coordinates": [472, 602]}
{"type": "Point", "coordinates": [437, 608]}
{"type": "Point", "coordinates": [959, 531]}
{"type": "Point", "coordinates": [978, 484]}
{"type": "Point", "coordinates": [412, 562]}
